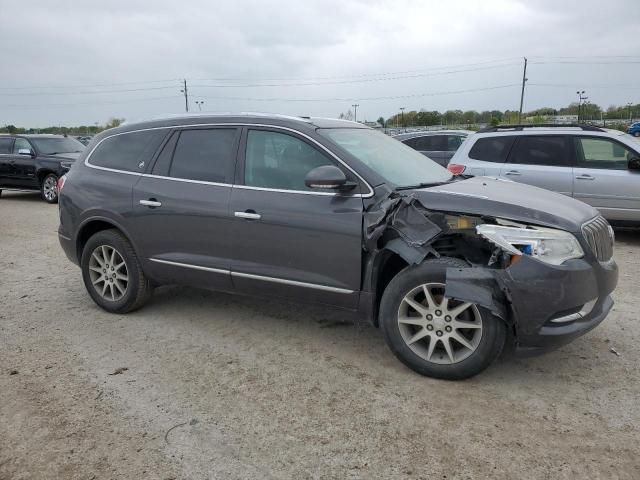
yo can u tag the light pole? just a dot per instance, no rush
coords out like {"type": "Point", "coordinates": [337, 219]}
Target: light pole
{"type": "Point", "coordinates": [629, 105]}
{"type": "Point", "coordinates": [199, 103]}
{"type": "Point", "coordinates": [402, 116]}
{"type": "Point", "coordinates": [581, 97]}
{"type": "Point", "coordinates": [355, 111]}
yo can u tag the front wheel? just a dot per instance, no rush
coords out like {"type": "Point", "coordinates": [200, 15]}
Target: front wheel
{"type": "Point", "coordinates": [636, 134]}
{"type": "Point", "coordinates": [49, 188]}
{"type": "Point", "coordinates": [434, 335]}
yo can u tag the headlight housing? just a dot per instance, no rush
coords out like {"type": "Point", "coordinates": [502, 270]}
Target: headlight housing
{"type": "Point", "coordinates": [545, 244]}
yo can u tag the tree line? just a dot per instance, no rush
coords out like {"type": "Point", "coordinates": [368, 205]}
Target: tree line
{"type": "Point", "coordinates": [80, 130]}
{"type": "Point", "coordinates": [588, 112]}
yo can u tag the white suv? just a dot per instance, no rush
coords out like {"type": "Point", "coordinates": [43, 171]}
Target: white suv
{"type": "Point", "coordinates": [596, 165]}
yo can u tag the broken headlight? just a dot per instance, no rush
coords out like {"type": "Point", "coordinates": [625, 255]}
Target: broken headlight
{"type": "Point", "coordinates": [546, 244]}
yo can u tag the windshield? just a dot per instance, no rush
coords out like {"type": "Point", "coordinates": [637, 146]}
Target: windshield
{"type": "Point", "coordinates": [50, 146]}
{"type": "Point", "coordinates": [391, 159]}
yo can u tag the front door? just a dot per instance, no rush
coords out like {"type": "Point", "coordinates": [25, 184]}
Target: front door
{"type": "Point", "coordinates": [289, 240]}
{"type": "Point", "coordinates": [181, 214]}
{"type": "Point", "coordinates": [544, 161]}
{"type": "Point", "coordinates": [23, 165]}
{"type": "Point", "coordinates": [603, 179]}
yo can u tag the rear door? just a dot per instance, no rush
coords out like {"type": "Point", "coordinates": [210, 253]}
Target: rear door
{"type": "Point", "coordinates": [289, 240]}
{"type": "Point", "coordinates": [182, 221]}
{"type": "Point", "coordinates": [603, 179]}
{"type": "Point", "coordinates": [6, 148]}
{"type": "Point", "coordinates": [543, 161]}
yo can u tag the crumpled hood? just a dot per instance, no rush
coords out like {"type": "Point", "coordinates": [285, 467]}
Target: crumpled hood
{"type": "Point", "coordinates": [510, 200]}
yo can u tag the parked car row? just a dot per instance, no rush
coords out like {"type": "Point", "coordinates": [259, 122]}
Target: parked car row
{"type": "Point", "coordinates": [335, 213]}
{"type": "Point", "coordinates": [35, 162]}
{"type": "Point", "coordinates": [598, 166]}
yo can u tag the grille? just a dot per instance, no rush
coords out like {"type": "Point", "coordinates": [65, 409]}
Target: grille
{"type": "Point", "coordinates": [599, 236]}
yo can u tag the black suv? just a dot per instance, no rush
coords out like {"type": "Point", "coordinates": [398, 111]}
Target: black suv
{"type": "Point", "coordinates": [332, 212]}
{"type": "Point", "coordinates": [35, 162]}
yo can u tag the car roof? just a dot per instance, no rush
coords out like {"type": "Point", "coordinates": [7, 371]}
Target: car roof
{"type": "Point", "coordinates": [426, 133]}
{"type": "Point", "coordinates": [242, 117]}
{"type": "Point", "coordinates": [32, 135]}
{"type": "Point", "coordinates": [548, 130]}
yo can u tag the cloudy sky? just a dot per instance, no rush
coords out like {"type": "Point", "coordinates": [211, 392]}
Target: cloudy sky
{"type": "Point", "coordinates": [79, 62]}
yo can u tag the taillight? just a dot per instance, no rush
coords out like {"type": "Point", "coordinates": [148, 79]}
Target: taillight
{"type": "Point", "coordinates": [455, 168]}
{"type": "Point", "coordinates": [60, 184]}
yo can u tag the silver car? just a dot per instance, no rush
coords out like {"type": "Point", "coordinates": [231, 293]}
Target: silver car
{"type": "Point", "coordinates": [438, 145]}
{"type": "Point", "coordinates": [599, 166]}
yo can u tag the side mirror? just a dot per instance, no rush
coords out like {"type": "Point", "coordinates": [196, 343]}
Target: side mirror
{"type": "Point", "coordinates": [26, 151]}
{"type": "Point", "coordinates": [327, 177]}
{"type": "Point", "coordinates": [634, 163]}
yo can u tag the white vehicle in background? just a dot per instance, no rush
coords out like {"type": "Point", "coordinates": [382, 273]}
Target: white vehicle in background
{"type": "Point", "coordinates": [598, 166]}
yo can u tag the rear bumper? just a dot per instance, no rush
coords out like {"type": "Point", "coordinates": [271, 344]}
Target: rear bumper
{"type": "Point", "coordinates": [68, 246]}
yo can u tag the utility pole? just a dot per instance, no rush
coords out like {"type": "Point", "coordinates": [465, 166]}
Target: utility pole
{"type": "Point", "coordinates": [355, 111]}
{"type": "Point", "coordinates": [581, 98]}
{"type": "Point", "coordinates": [402, 115]}
{"type": "Point", "coordinates": [524, 80]}
{"type": "Point", "coordinates": [186, 96]}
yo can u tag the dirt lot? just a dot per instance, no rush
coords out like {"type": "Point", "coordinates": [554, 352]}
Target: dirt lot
{"type": "Point", "coordinates": [230, 387]}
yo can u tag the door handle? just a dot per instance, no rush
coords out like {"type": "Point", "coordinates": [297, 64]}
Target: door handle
{"type": "Point", "coordinates": [585, 177]}
{"type": "Point", "coordinates": [152, 202]}
{"type": "Point", "coordinates": [513, 173]}
{"type": "Point", "coordinates": [249, 215]}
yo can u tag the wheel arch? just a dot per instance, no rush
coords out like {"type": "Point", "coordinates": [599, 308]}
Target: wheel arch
{"type": "Point", "coordinates": [93, 225]}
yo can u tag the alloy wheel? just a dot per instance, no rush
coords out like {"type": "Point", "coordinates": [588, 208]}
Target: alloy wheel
{"type": "Point", "coordinates": [436, 328]}
{"type": "Point", "coordinates": [108, 273]}
{"type": "Point", "coordinates": [50, 189]}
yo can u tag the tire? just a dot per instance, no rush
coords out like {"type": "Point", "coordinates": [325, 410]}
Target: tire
{"type": "Point", "coordinates": [636, 134]}
{"type": "Point", "coordinates": [110, 294]}
{"type": "Point", "coordinates": [49, 188]}
{"type": "Point", "coordinates": [405, 329]}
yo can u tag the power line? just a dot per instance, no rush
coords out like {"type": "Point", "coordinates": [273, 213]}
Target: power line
{"type": "Point", "coordinates": [358, 99]}
{"type": "Point", "coordinates": [50, 87]}
{"type": "Point", "coordinates": [263, 99]}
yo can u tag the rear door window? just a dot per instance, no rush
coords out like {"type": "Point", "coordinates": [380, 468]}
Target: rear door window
{"type": "Point", "coordinates": [547, 150]}
{"type": "Point", "coordinates": [5, 145]}
{"type": "Point", "coordinates": [128, 151]}
{"type": "Point", "coordinates": [206, 155]}
{"type": "Point", "coordinates": [602, 153]}
{"type": "Point", "coordinates": [492, 149]}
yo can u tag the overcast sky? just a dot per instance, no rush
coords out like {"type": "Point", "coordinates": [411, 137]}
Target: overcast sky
{"type": "Point", "coordinates": [75, 62]}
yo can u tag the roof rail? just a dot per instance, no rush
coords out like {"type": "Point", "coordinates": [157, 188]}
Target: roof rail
{"type": "Point", "coordinates": [588, 128]}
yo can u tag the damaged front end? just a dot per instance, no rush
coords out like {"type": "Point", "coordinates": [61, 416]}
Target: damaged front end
{"type": "Point", "coordinates": [534, 278]}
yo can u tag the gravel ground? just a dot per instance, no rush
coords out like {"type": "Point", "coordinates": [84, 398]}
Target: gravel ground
{"type": "Point", "coordinates": [228, 387]}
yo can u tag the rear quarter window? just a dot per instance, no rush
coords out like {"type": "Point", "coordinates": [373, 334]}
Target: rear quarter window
{"type": "Point", "coordinates": [492, 149]}
{"type": "Point", "coordinates": [128, 151]}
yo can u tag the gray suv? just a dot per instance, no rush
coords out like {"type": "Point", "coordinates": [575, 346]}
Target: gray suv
{"type": "Point", "coordinates": [438, 145]}
{"type": "Point", "coordinates": [335, 213]}
{"type": "Point", "coordinates": [598, 166]}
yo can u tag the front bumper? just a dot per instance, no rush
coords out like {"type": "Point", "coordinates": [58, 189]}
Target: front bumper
{"type": "Point", "coordinates": [530, 294]}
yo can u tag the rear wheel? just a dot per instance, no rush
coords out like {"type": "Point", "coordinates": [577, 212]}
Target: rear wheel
{"type": "Point", "coordinates": [112, 273]}
{"type": "Point", "coordinates": [434, 335]}
{"type": "Point", "coordinates": [49, 188]}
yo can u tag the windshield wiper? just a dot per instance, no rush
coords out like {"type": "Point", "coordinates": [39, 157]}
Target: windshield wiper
{"type": "Point", "coordinates": [421, 185]}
